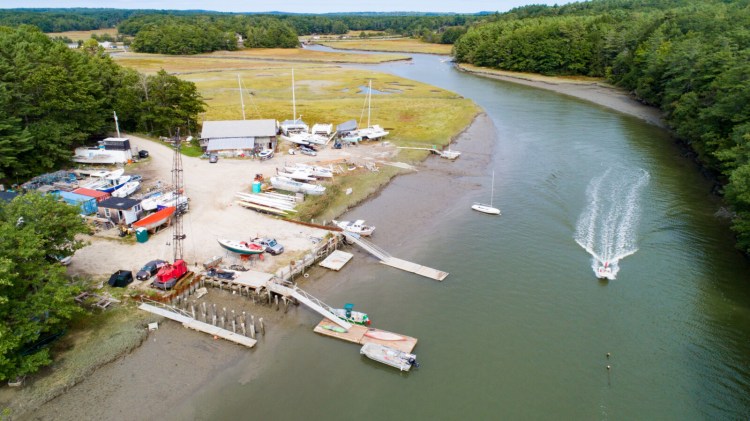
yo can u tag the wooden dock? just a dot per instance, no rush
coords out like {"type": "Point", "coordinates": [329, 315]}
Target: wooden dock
{"type": "Point", "coordinates": [356, 334]}
{"type": "Point", "coordinates": [387, 259]}
{"type": "Point", "coordinates": [200, 326]}
{"type": "Point", "coordinates": [336, 260]}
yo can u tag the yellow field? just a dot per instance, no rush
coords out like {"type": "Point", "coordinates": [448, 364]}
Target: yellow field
{"type": "Point", "coordinates": [83, 35]}
{"type": "Point", "coordinates": [245, 59]}
{"type": "Point", "coordinates": [406, 45]}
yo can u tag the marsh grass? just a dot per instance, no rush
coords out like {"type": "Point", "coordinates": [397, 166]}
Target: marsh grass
{"type": "Point", "coordinates": [93, 340]}
{"type": "Point", "coordinates": [406, 45]}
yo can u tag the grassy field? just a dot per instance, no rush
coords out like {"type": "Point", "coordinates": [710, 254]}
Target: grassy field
{"type": "Point", "coordinates": [406, 45]}
{"type": "Point", "coordinates": [245, 60]}
{"type": "Point", "coordinates": [83, 35]}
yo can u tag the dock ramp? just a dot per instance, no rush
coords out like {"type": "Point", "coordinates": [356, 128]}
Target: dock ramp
{"type": "Point", "coordinates": [315, 304]}
{"type": "Point", "coordinates": [199, 326]}
{"type": "Point", "coordinates": [395, 262]}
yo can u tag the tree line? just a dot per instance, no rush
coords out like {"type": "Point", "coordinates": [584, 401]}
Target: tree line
{"type": "Point", "coordinates": [53, 98]}
{"type": "Point", "coordinates": [690, 59]}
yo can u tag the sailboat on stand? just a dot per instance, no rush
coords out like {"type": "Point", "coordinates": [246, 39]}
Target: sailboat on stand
{"type": "Point", "coordinates": [488, 209]}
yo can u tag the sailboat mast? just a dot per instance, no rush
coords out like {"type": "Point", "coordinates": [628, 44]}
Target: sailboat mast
{"type": "Point", "coordinates": [492, 192]}
{"type": "Point", "coordinates": [294, 102]}
{"type": "Point", "coordinates": [369, 100]}
{"type": "Point", "coordinates": [242, 101]}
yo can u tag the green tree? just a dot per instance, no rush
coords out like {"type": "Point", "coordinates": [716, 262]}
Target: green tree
{"type": "Point", "coordinates": [36, 298]}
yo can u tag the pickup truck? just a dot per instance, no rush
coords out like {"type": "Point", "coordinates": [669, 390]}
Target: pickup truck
{"type": "Point", "coordinates": [272, 246]}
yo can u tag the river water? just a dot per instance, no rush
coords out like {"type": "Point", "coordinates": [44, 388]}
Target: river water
{"type": "Point", "coordinates": [522, 329]}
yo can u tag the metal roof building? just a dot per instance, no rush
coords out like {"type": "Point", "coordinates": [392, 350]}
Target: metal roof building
{"type": "Point", "coordinates": [238, 135]}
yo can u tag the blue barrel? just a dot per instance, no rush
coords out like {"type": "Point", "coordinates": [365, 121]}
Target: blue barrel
{"type": "Point", "coordinates": [256, 186]}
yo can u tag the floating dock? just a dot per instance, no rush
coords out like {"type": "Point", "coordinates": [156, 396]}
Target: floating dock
{"type": "Point", "coordinates": [395, 262]}
{"type": "Point", "coordinates": [357, 335]}
{"type": "Point", "coordinates": [200, 326]}
{"type": "Point", "coordinates": [336, 260]}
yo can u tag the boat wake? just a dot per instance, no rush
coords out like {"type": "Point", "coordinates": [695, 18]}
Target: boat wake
{"type": "Point", "coordinates": [606, 229]}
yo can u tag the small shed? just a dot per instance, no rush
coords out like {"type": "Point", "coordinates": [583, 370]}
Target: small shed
{"type": "Point", "coordinates": [346, 127]}
{"type": "Point", "coordinates": [96, 194]}
{"type": "Point", "coordinates": [120, 210]}
{"type": "Point", "coordinates": [85, 203]}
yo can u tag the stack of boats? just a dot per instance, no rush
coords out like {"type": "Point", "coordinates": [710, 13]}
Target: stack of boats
{"type": "Point", "coordinates": [275, 203]}
{"type": "Point", "coordinates": [320, 134]}
{"type": "Point", "coordinates": [161, 200]}
{"type": "Point", "coordinates": [305, 173]}
{"type": "Point", "coordinates": [114, 182]}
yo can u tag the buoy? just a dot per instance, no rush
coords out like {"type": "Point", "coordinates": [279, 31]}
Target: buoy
{"type": "Point", "coordinates": [307, 275]}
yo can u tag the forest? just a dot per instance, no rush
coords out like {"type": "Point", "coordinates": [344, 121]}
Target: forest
{"type": "Point", "coordinates": [53, 98]}
{"type": "Point", "coordinates": [690, 59]}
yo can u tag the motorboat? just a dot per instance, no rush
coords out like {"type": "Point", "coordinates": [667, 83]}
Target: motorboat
{"type": "Point", "coordinates": [156, 219]}
{"type": "Point", "coordinates": [351, 316]}
{"type": "Point", "coordinates": [241, 247]}
{"type": "Point", "coordinates": [313, 170]}
{"type": "Point", "coordinates": [389, 356]}
{"type": "Point", "coordinates": [357, 227]}
{"type": "Point", "coordinates": [127, 189]}
{"type": "Point", "coordinates": [296, 174]}
{"type": "Point", "coordinates": [605, 271]}
{"type": "Point", "coordinates": [165, 200]}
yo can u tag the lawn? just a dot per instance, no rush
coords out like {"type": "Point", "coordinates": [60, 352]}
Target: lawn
{"type": "Point", "coordinates": [83, 35]}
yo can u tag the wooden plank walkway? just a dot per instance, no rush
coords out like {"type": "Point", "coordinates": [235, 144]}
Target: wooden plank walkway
{"type": "Point", "coordinates": [425, 271]}
{"type": "Point", "coordinates": [357, 335]}
{"type": "Point", "coordinates": [336, 260]}
{"type": "Point", "coordinates": [200, 326]}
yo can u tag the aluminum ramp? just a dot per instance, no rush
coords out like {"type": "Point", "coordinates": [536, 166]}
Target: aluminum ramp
{"type": "Point", "coordinates": [315, 304]}
{"type": "Point", "coordinates": [395, 262]}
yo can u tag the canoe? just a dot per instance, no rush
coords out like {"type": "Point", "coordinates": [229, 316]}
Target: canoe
{"type": "Point", "coordinates": [338, 329]}
{"type": "Point", "coordinates": [156, 219]}
{"type": "Point", "coordinates": [383, 335]}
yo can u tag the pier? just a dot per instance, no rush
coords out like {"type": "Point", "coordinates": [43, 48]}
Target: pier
{"type": "Point", "coordinates": [395, 262]}
{"type": "Point", "coordinates": [447, 154]}
{"type": "Point", "coordinates": [191, 323]}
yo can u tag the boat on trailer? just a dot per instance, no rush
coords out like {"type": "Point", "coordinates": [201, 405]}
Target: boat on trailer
{"type": "Point", "coordinates": [156, 219]}
{"type": "Point", "coordinates": [241, 247]}
{"type": "Point", "coordinates": [389, 356]}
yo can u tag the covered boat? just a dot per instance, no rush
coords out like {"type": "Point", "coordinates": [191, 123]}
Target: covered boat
{"type": "Point", "coordinates": [156, 219]}
{"type": "Point", "coordinates": [241, 247]}
{"type": "Point", "coordinates": [286, 183]}
{"type": "Point", "coordinates": [390, 356]}
{"type": "Point", "coordinates": [357, 227]}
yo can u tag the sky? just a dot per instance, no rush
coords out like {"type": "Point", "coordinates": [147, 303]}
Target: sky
{"type": "Point", "coordinates": [294, 6]}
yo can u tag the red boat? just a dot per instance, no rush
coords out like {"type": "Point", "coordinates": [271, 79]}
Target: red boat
{"type": "Point", "coordinates": [156, 219]}
{"type": "Point", "coordinates": [170, 274]}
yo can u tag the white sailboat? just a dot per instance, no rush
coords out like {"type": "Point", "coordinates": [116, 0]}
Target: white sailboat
{"type": "Point", "coordinates": [374, 132]}
{"type": "Point", "coordinates": [488, 209]}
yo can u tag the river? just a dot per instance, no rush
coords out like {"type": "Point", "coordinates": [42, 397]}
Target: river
{"type": "Point", "coordinates": [522, 329]}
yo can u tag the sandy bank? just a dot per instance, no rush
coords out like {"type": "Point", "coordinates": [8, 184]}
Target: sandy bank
{"type": "Point", "coordinates": [592, 90]}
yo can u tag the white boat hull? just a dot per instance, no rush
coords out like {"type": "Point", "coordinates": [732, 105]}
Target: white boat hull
{"type": "Point", "coordinates": [389, 356]}
{"type": "Point", "coordinates": [485, 209]}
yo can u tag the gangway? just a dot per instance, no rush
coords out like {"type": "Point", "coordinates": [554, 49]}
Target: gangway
{"type": "Point", "coordinates": [395, 262]}
{"type": "Point", "coordinates": [447, 154]}
{"type": "Point", "coordinates": [303, 297]}
{"type": "Point", "coordinates": [199, 326]}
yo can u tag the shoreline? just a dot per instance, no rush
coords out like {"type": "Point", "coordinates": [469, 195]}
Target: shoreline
{"type": "Point", "coordinates": [591, 90]}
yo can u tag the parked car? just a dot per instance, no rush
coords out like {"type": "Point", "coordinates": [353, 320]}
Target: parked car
{"type": "Point", "coordinates": [213, 158]}
{"type": "Point", "coordinates": [265, 154]}
{"type": "Point", "coordinates": [121, 278]}
{"type": "Point", "coordinates": [307, 150]}
{"type": "Point", "coordinates": [272, 246]}
{"type": "Point", "coordinates": [143, 153]}
{"type": "Point", "coordinates": [149, 269]}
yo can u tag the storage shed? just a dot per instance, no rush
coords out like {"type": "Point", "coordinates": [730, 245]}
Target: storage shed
{"type": "Point", "coordinates": [85, 203]}
{"type": "Point", "coordinates": [120, 210]}
{"type": "Point", "coordinates": [96, 194]}
{"type": "Point", "coordinates": [238, 137]}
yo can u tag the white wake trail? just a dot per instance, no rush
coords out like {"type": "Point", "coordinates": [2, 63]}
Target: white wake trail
{"type": "Point", "coordinates": [607, 226]}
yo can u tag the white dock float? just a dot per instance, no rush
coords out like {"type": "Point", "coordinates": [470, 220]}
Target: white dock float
{"type": "Point", "coordinates": [200, 326]}
{"type": "Point", "coordinates": [395, 262]}
{"type": "Point", "coordinates": [336, 260]}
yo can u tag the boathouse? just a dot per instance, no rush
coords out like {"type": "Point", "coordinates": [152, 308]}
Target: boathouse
{"type": "Point", "coordinates": [120, 210]}
{"type": "Point", "coordinates": [238, 137]}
